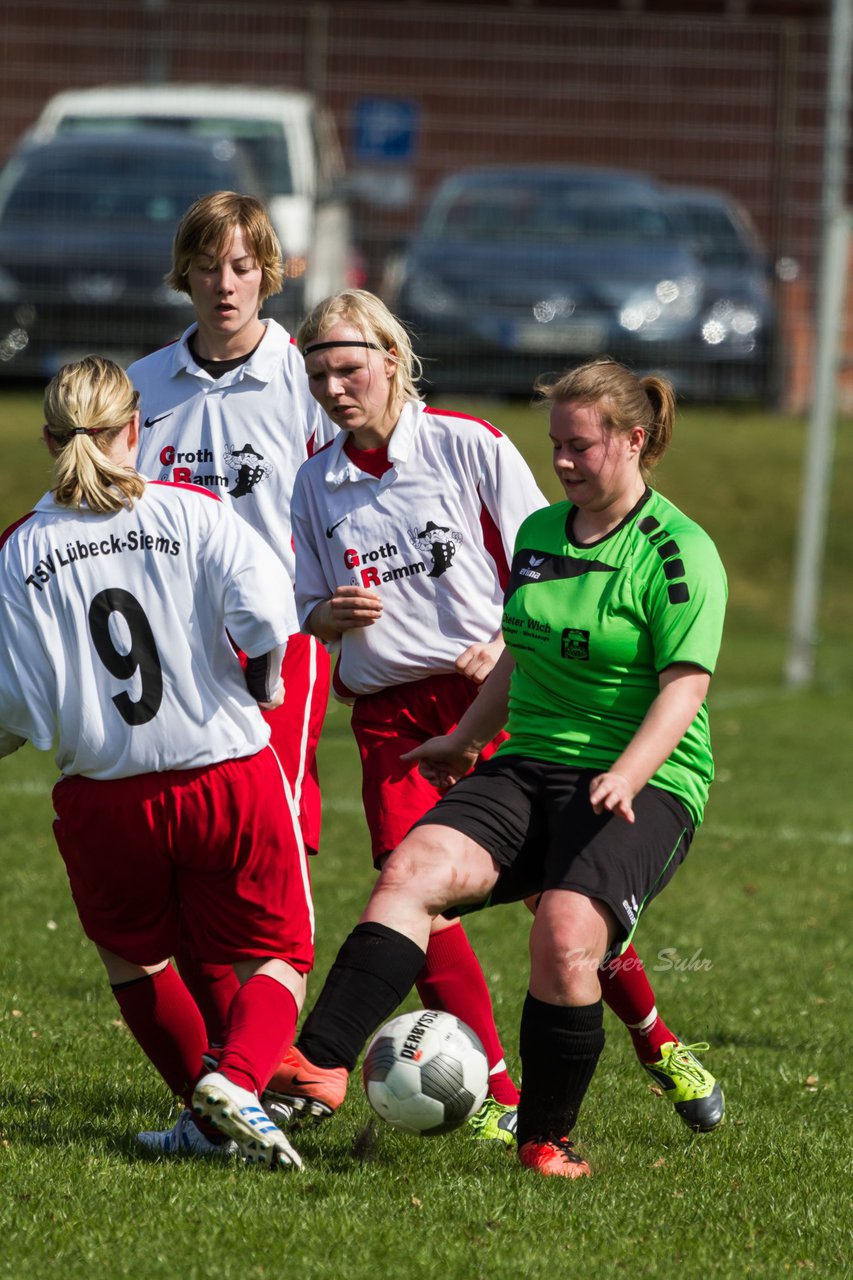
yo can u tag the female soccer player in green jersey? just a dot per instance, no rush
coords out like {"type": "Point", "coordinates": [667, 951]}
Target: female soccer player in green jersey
{"type": "Point", "coordinates": [612, 621]}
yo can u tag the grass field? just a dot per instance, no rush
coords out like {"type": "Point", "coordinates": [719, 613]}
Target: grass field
{"type": "Point", "coordinates": [748, 948]}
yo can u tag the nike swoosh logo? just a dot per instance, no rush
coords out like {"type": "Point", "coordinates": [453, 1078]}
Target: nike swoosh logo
{"type": "Point", "coordinates": [298, 1083]}
{"type": "Point", "coordinates": [149, 422]}
{"type": "Point", "coordinates": [330, 529]}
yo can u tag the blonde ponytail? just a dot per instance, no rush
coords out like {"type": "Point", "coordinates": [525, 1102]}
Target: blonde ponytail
{"type": "Point", "coordinates": [86, 405]}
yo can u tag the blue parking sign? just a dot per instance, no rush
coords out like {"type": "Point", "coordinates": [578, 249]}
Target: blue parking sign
{"type": "Point", "coordinates": [384, 129]}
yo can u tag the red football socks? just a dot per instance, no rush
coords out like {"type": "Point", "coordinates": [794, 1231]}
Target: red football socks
{"type": "Point", "coordinates": [167, 1025]}
{"type": "Point", "coordinates": [213, 987]}
{"type": "Point", "coordinates": [627, 991]}
{"type": "Point", "coordinates": [261, 1025]}
{"type": "Point", "coordinates": [452, 981]}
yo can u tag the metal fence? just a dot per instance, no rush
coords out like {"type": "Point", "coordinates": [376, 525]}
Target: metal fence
{"type": "Point", "coordinates": [421, 90]}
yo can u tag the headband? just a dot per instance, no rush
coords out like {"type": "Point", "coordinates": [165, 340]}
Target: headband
{"type": "Point", "coordinates": [324, 346]}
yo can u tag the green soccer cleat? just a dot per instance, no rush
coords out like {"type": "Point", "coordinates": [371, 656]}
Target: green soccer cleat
{"type": "Point", "coordinates": [692, 1090]}
{"type": "Point", "coordinates": [494, 1122]}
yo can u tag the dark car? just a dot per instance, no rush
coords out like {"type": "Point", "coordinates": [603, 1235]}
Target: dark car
{"type": "Point", "coordinates": [737, 333]}
{"type": "Point", "coordinates": [521, 270]}
{"type": "Point", "coordinates": [86, 228]}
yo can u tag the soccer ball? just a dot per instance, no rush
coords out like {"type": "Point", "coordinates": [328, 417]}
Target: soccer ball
{"type": "Point", "coordinates": [425, 1072]}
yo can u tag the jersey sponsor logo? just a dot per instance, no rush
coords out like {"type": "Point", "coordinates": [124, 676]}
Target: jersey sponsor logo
{"type": "Point", "coordinates": [551, 568]}
{"type": "Point", "coordinates": [369, 575]}
{"type": "Point", "coordinates": [574, 643]}
{"type": "Point", "coordinates": [149, 422]}
{"type": "Point", "coordinates": [249, 466]}
{"type": "Point", "coordinates": [439, 542]}
{"type": "Point", "coordinates": [330, 528]}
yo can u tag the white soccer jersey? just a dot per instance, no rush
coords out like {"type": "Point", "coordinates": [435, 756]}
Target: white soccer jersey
{"type": "Point", "coordinates": [113, 631]}
{"type": "Point", "coordinates": [432, 536]}
{"type": "Point", "coordinates": [243, 435]}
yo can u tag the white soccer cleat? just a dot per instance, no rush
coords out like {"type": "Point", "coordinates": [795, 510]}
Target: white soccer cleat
{"type": "Point", "coordinates": [185, 1139]}
{"type": "Point", "coordinates": [238, 1114]}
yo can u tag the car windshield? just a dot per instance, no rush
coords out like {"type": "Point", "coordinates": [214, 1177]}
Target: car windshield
{"type": "Point", "coordinates": [713, 236]}
{"type": "Point", "coordinates": [108, 188]}
{"type": "Point", "coordinates": [559, 215]}
{"type": "Point", "coordinates": [264, 141]}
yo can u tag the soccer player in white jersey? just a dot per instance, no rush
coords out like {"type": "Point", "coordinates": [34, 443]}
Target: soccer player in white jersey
{"type": "Point", "coordinates": [227, 406]}
{"type": "Point", "coordinates": [118, 602]}
{"type": "Point", "coordinates": [404, 528]}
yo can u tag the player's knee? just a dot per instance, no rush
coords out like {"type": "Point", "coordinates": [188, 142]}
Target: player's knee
{"type": "Point", "coordinates": [418, 871]}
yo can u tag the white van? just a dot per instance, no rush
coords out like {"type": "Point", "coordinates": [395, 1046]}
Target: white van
{"type": "Point", "coordinates": [291, 141]}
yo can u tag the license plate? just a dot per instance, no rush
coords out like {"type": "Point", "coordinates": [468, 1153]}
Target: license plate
{"type": "Point", "coordinates": [580, 338]}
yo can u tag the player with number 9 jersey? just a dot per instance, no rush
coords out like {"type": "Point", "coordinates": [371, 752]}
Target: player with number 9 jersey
{"type": "Point", "coordinates": [122, 602]}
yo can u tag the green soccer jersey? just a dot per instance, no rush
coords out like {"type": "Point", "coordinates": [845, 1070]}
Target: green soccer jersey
{"type": "Point", "coordinates": [591, 627]}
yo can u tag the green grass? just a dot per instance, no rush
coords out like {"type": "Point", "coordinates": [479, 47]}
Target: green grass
{"type": "Point", "coordinates": [747, 948]}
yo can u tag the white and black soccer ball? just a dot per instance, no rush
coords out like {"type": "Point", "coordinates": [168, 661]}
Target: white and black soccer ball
{"type": "Point", "coordinates": [425, 1072]}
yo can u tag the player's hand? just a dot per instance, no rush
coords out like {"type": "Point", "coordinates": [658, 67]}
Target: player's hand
{"type": "Point", "coordinates": [612, 793]}
{"type": "Point", "coordinates": [441, 761]}
{"type": "Point", "coordinates": [476, 662]}
{"type": "Point", "coordinates": [276, 700]}
{"type": "Point", "coordinates": [354, 607]}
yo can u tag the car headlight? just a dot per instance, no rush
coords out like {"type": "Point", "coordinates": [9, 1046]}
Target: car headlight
{"type": "Point", "coordinates": [429, 295]}
{"type": "Point", "coordinates": [668, 302]}
{"type": "Point", "coordinates": [730, 320]}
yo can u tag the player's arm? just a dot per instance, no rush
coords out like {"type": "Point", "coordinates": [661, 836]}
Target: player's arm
{"type": "Point", "coordinates": [325, 610]}
{"type": "Point", "coordinates": [478, 660]}
{"type": "Point", "coordinates": [445, 759]}
{"type": "Point", "coordinates": [349, 607]}
{"type": "Point", "coordinates": [682, 690]}
{"type": "Point", "coordinates": [263, 678]}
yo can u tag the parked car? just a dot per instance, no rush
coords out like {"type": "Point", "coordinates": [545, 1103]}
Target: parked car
{"type": "Point", "coordinates": [738, 328]}
{"type": "Point", "coordinates": [521, 270]}
{"type": "Point", "coordinates": [86, 228]}
{"type": "Point", "coordinates": [293, 144]}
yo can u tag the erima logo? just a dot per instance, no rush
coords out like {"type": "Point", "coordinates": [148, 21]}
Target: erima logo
{"type": "Point", "coordinates": [536, 561]}
{"type": "Point", "coordinates": [330, 529]}
{"type": "Point", "coordinates": [149, 422]}
{"type": "Point", "coordinates": [530, 573]}
{"type": "Point", "coordinates": [631, 908]}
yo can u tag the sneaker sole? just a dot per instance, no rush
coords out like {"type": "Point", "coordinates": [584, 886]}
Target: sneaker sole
{"type": "Point", "coordinates": [256, 1148]}
{"type": "Point", "coordinates": [310, 1109]}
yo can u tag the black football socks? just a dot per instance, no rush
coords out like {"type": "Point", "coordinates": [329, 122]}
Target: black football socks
{"type": "Point", "coordinates": [374, 971]}
{"type": "Point", "coordinates": [560, 1047]}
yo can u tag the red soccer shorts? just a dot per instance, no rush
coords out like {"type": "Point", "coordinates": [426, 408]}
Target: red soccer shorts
{"type": "Point", "coordinates": [211, 859]}
{"type": "Point", "coordinates": [388, 724]}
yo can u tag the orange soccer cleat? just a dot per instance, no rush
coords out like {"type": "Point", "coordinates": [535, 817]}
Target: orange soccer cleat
{"type": "Point", "coordinates": [553, 1157]}
{"type": "Point", "coordinates": [300, 1089]}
